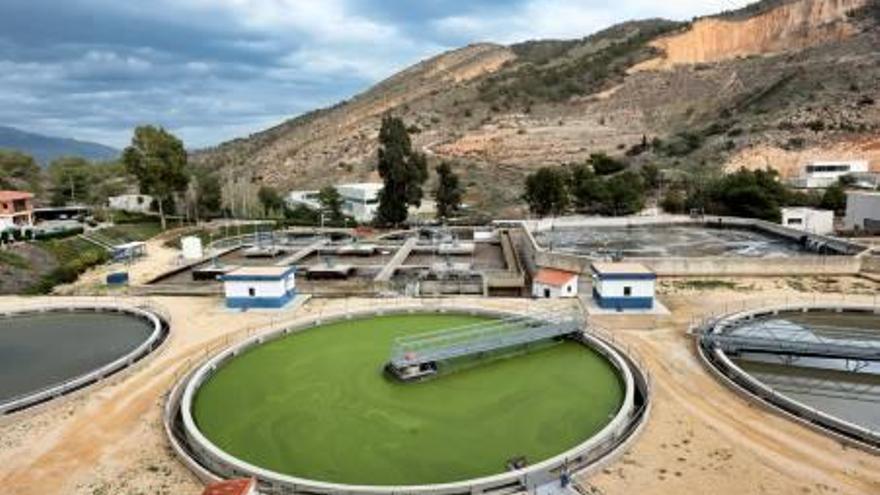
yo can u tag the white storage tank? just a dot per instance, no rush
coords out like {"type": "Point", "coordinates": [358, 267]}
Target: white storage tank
{"type": "Point", "coordinates": [192, 248]}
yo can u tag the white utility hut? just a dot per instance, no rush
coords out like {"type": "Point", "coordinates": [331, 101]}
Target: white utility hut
{"type": "Point", "coordinates": [622, 286]}
{"type": "Point", "coordinates": [809, 220]}
{"type": "Point", "coordinates": [550, 283]}
{"type": "Point", "coordinates": [259, 286]}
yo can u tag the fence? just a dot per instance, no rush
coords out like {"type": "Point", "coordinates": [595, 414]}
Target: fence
{"type": "Point", "coordinates": [205, 459]}
{"type": "Point", "coordinates": [148, 310]}
{"type": "Point", "coordinates": [716, 360]}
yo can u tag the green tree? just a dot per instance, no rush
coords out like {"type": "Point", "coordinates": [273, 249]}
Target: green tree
{"type": "Point", "coordinates": [673, 201]}
{"type": "Point", "coordinates": [331, 203]}
{"type": "Point", "coordinates": [587, 188]}
{"type": "Point", "coordinates": [626, 194]}
{"type": "Point", "coordinates": [449, 191]}
{"type": "Point", "coordinates": [403, 171]}
{"type": "Point", "coordinates": [546, 191]}
{"type": "Point", "coordinates": [651, 176]}
{"type": "Point", "coordinates": [745, 193]}
{"type": "Point", "coordinates": [158, 160]}
{"type": "Point", "coordinates": [271, 200]}
{"type": "Point", "coordinates": [71, 179]}
{"type": "Point", "coordinates": [204, 195]}
{"type": "Point", "coordinates": [605, 165]}
{"type": "Point", "coordinates": [834, 199]}
{"type": "Point", "coordinates": [19, 171]}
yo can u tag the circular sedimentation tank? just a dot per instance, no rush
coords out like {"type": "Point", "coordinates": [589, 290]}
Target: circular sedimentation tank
{"type": "Point", "coordinates": [315, 408]}
{"type": "Point", "coordinates": [836, 394]}
{"type": "Point", "coordinates": [47, 351]}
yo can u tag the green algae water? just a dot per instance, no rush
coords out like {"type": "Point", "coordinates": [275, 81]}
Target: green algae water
{"type": "Point", "coordinates": [318, 405]}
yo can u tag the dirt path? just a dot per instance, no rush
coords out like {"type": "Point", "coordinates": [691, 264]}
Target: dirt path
{"type": "Point", "coordinates": [702, 438]}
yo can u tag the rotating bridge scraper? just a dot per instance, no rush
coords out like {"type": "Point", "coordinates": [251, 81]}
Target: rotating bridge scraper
{"type": "Point", "coordinates": [416, 357]}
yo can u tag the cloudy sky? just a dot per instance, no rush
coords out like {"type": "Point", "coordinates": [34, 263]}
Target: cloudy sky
{"type": "Point", "coordinates": [211, 70]}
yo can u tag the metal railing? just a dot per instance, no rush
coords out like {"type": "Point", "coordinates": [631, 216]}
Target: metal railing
{"type": "Point", "coordinates": [729, 372]}
{"type": "Point", "coordinates": [146, 309]}
{"type": "Point", "coordinates": [482, 337]}
{"type": "Point", "coordinates": [206, 460]}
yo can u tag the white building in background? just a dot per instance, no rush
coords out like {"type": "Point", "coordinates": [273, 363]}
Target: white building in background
{"type": "Point", "coordinates": [549, 283]}
{"type": "Point", "coordinates": [863, 211]}
{"type": "Point", "coordinates": [309, 199]}
{"type": "Point", "coordinates": [361, 200]}
{"type": "Point", "coordinates": [809, 220]}
{"type": "Point", "coordinates": [133, 203]}
{"type": "Point", "coordinates": [623, 286]}
{"type": "Point", "coordinates": [822, 174]}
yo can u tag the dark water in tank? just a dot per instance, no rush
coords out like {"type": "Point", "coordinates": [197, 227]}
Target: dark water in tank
{"type": "Point", "coordinates": [41, 350]}
{"type": "Point", "coordinates": [829, 385]}
{"type": "Point", "coordinates": [660, 241]}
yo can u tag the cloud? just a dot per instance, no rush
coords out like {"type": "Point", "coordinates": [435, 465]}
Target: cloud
{"type": "Point", "coordinates": [211, 70]}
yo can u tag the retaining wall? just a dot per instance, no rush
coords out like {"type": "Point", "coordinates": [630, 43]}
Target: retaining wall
{"type": "Point", "coordinates": [842, 264]}
{"type": "Point", "coordinates": [156, 337]}
{"type": "Point", "coordinates": [209, 462]}
{"type": "Point", "coordinates": [719, 362]}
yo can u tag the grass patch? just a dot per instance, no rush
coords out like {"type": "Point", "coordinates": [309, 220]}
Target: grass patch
{"type": "Point", "coordinates": [74, 257]}
{"type": "Point", "coordinates": [14, 260]}
{"type": "Point", "coordinates": [711, 284]}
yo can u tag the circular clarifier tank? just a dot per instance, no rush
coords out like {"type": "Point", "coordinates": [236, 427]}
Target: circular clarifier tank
{"type": "Point", "coordinates": [316, 405]}
{"type": "Point", "coordinates": [50, 351]}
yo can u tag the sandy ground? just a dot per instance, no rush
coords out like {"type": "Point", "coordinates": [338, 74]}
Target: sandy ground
{"type": "Point", "coordinates": [159, 260]}
{"type": "Point", "coordinates": [701, 438]}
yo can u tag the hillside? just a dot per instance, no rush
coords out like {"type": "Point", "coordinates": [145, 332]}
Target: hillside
{"type": "Point", "coordinates": [44, 149]}
{"type": "Point", "coordinates": [780, 80]}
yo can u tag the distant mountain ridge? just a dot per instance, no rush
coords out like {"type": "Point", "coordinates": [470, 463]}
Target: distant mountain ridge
{"type": "Point", "coordinates": [776, 83]}
{"type": "Point", "coordinates": [44, 149]}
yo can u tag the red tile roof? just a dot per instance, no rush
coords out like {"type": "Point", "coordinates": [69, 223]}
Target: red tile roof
{"type": "Point", "coordinates": [556, 278]}
{"type": "Point", "coordinates": [14, 195]}
{"type": "Point", "coordinates": [241, 486]}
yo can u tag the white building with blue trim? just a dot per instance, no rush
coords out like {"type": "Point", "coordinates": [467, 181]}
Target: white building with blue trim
{"type": "Point", "coordinates": [259, 286]}
{"type": "Point", "coordinates": [622, 286]}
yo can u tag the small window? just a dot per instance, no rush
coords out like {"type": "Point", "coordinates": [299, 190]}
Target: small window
{"type": "Point", "coordinates": [627, 291]}
{"type": "Point", "coordinates": [569, 289]}
{"type": "Point", "coordinates": [252, 292]}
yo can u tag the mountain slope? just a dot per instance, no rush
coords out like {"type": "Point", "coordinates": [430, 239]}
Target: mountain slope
{"type": "Point", "coordinates": [44, 149]}
{"type": "Point", "coordinates": [798, 76]}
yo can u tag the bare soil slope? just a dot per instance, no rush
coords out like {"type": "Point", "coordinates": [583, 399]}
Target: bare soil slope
{"type": "Point", "coordinates": [792, 78]}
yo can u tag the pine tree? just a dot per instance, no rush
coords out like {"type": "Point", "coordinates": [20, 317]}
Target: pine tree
{"type": "Point", "coordinates": [449, 192]}
{"type": "Point", "coordinates": [403, 171]}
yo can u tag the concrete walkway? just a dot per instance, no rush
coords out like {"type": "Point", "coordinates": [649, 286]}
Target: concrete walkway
{"type": "Point", "coordinates": [302, 253]}
{"type": "Point", "coordinates": [399, 257]}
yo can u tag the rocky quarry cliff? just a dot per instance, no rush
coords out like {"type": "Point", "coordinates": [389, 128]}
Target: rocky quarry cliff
{"type": "Point", "coordinates": [775, 84]}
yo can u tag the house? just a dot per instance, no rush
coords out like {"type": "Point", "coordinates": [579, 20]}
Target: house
{"type": "Point", "coordinates": [259, 286]}
{"type": "Point", "coordinates": [244, 486]}
{"type": "Point", "coordinates": [862, 211]}
{"type": "Point", "coordinates": [622, 286]}
{"type": "Point", "coordinates": [809, 220]}
{"type": "Point", "coordinates": [360, 201]}
{"type": "Point", "coordinates": [822, 174]}
{"type": "Point", "coordinates": [550, 283]}
{"type": "Point", "coordinates": [16, 209]}
{"type": "Point", "coordinates": [133, 203]}
{"type": "Point", "coordinates": [309, 199]}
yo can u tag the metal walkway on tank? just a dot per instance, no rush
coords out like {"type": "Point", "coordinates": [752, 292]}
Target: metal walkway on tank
{"type": "Point", "coordinates": [792, 339]}
{"type": "Point", "coordinates": [474, 339]}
